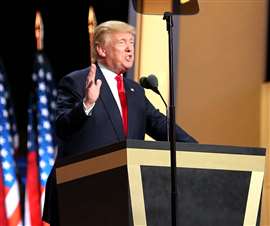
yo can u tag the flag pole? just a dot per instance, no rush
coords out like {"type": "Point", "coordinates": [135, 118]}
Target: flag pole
{"type": "Point", "coordinates": [39, 32]}
{"type": "Point", "coordinates": [92, 23]}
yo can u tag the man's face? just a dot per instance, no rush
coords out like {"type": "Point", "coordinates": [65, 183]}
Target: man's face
{"type": "Point", "coordinates": [118, 52]}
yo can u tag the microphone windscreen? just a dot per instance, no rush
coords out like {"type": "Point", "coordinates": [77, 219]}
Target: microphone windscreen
{"type": "Point", "coordinates": [153, 81]}
{"type": "Point", "coordinates": [144, 82]}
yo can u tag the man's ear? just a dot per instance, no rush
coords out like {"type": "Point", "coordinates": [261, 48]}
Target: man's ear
{"type": "Point", "coordinates": [101, 51]}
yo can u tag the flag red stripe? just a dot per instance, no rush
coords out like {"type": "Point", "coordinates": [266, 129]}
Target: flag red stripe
{"type": "Point", "coordinates": [33, 189]}
{"type": "Point", "coordinates": [15, 218]}
{"type": "Point", "coordinates": [3, 216]}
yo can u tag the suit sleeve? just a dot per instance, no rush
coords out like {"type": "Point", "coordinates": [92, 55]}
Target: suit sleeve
{"type": "Point", "coordinates": [70, 114]}
{"type": "Point", "coordinates": [50, 212]}
{"type": "Point", "coordinates": [156, 126]}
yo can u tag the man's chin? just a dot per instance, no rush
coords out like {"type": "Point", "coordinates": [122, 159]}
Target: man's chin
{"type": "Point", "coordinates": [129, 65]}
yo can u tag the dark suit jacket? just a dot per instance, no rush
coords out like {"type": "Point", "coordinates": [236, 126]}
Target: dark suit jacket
{"type": "Point", "coordinates": [80, 133]}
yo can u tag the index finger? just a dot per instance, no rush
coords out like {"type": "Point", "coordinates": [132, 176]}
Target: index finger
{"type": "Point", "coordinates": [92, 73]}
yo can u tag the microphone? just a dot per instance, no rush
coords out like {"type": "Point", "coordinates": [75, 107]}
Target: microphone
{"type": "Point", "coordinates": [151, 82]}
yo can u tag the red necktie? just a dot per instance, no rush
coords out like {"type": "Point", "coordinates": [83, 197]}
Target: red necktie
{"type": "Point", "coordinates": [123, 101]}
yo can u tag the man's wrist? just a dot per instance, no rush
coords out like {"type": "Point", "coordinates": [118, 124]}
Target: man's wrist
{"type": "Point", "coordinates": [87, 104]}
{"type": "Point", "coordinates": [87, 107]}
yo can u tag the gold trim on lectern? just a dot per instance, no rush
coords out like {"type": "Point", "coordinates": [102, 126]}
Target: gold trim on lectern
{"type": "Point", "coordinates": [253, 200]}
{"type": "Point", "coordinates": [136, 195]}
{"type": "Point", "coordinates": [91, 166]}
{"type": "Point", "coordinates": [199, 160]}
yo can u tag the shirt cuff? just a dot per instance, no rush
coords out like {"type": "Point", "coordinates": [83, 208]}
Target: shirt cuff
{"type": "Point", "coordinates": [88, 111]}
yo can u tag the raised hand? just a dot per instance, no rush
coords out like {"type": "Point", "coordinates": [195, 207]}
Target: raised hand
{"type": "Point", "coordinates": [92, 87]}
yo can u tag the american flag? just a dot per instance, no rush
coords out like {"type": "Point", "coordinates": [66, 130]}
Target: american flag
{"type": "Point", "coordinates": [10, 109]}
{"type": "Point", "coordinates": [42, 123]}
{"type": "Point", "coordinates": [10, 183]}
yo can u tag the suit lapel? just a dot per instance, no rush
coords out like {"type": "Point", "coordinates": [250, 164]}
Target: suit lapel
{"type": "Point", "coordinates": [130, 91]}
{"type": "Point", "coordinates": [110, 105]}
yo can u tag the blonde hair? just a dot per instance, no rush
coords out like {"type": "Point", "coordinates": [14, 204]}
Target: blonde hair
{"type": "Point", "coordinates": [108, 27]}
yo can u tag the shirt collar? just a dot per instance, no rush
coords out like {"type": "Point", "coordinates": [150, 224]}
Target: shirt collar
{"type": "Point", "coordinates": [108, 74]}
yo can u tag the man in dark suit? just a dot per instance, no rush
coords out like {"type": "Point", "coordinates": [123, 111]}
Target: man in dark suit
{"type": "Point", "coordinates": [97, 106]}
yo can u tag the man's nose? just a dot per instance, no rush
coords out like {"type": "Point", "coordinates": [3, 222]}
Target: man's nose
{"type": "Point", "coordinates": [129, 47]}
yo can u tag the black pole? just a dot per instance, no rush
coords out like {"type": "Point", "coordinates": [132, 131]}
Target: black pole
{"type": "Point", "coordinates": [172, 140]}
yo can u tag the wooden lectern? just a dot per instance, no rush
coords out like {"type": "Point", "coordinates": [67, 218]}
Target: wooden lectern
{"type": "Point", "coordinates": [128, 184]}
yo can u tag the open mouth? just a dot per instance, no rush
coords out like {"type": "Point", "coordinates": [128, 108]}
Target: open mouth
{"type": "Point", "coordinates": [129, 58]}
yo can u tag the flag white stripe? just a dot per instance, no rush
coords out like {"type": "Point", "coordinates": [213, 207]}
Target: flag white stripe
{"type": "Point", "coordinates": [12, 199]}
{"type": "Point", "coordinates": [27, 220]}
{"type": "Point", "coordinates": [42, 200]}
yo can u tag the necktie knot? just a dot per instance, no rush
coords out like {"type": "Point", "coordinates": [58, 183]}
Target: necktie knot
{"type": "Point", "coordinates": [120, 83]}
{"type": "Point", "coordinates": [118, 77]}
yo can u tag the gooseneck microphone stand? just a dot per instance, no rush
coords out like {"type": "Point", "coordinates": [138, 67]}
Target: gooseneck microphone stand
{"type": "Point", "coordinates": [172, 138]}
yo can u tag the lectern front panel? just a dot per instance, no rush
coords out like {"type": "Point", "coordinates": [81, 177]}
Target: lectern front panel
{"type": "Point", "coordinates": [202, 194]}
